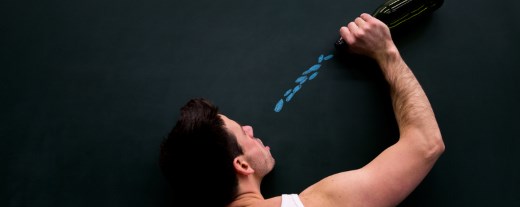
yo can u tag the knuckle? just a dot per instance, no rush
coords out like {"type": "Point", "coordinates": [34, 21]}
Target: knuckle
{"type": "Point", "coordinates": [360, 34]}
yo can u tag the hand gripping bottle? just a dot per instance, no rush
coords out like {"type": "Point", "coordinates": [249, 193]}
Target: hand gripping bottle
{"type": "Point", "coordinates": [398, 13]}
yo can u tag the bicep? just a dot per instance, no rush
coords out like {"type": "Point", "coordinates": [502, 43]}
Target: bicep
{"type": "Point", "coordinates": [393, 175]}
{"type": "Point", "coordinates": [385, 181]}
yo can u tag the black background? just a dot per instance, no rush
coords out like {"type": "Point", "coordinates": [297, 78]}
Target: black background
{"type": "Point", "coordinates": [89, 89]}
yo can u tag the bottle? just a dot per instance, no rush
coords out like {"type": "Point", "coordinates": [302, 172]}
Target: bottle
{"type": "Point", "coordinates": [399, 13]}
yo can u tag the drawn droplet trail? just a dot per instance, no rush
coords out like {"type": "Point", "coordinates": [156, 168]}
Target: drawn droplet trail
{"type": "Point", "coordinates": [313, 70]}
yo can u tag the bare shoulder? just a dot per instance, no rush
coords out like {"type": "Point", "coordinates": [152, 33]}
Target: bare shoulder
{"type": "Point", "coordinates": [333, 191]}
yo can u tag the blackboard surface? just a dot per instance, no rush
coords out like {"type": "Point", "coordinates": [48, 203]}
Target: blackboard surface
{"type": "Point", "coordinates": [89, 89]}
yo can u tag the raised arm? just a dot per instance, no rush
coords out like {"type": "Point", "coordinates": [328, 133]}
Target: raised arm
{"type": "Point", "coordinates": [397, 171]}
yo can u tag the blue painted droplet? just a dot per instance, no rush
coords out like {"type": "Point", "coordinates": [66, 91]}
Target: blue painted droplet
{"type": "Point", "coordinates": [311, 69]}
{"type": "Point", "coordinates": [279, 106]}
{"type": "Point", "coordinates": [287, 92]}
{"type": "Point", "coordinates": [296, 88]}
{"type": "Point", "coordinates": [301, 79]}
{"type": "Point", "coordinates": [313, 76]}
{"type": "Point", "coordinates": [289, 97]}
{"type": "Point", "coordinates": [328, 57]}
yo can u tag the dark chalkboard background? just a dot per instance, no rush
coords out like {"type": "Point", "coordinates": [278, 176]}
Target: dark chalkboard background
{"type": "Point", "coordinates": [89, 88]}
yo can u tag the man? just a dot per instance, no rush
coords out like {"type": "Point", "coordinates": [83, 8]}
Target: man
{"type": "Point", "coordinates": [211, 160]}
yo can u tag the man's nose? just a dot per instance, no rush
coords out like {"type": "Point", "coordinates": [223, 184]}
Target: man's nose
{"type": "Point", "coordinates": [249, 130]}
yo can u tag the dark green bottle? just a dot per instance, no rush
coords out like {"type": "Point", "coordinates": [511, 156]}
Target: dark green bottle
{"type": "Point", "coordinates": [399, 13]}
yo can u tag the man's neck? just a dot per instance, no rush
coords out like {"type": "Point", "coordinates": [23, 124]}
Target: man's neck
{"type": "Point", "coordinates": [247, 199]}
{"type": "Point", "coordinates": [248, 192]}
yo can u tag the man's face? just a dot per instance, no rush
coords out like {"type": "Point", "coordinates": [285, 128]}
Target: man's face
{"type": "Point", "coordinates": [255, 152]}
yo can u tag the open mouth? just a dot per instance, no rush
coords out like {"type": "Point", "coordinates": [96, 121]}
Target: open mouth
{"type": "Point", "coordinates": [260, 141]}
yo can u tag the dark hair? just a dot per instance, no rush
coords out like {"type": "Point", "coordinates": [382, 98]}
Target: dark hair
{"type": "Point", "coordinates": [196, 157]}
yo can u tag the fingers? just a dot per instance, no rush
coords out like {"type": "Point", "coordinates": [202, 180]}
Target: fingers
{"type": "Point", "coordinates": [366, 17]}
{"type": "Point", "coordinates": [353, 27]}
{"type": "Point", "coordinates": [358, 28]}
{"type": "Point", "coordinates": [344, 31]}
{"type": "Point", "coordinates": [346, 34]}
{"type": "Point", "coordinates": [360, 22]}
{"type": "Point", "coordinates": [370, 19]}
{"type": "Point", "coordinates": [366, 35]}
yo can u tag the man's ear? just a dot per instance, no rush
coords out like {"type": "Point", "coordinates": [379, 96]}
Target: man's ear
{"type": "Point", "coordinates": [242, 166]}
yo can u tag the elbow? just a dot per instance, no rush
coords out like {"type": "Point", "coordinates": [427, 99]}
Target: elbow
{"type": "Point", "coordinates": [435, 147]}
{"type": "Point", "coordinates": [428, 143]}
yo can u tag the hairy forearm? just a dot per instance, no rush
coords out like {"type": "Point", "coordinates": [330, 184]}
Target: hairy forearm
{"type": "Point", "coordinates": [412, 109]}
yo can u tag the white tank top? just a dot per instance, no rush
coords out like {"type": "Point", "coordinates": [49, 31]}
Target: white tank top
{"type": "Point", "coordinates": [291, 200]}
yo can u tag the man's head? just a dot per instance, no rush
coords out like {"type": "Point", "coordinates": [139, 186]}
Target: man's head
{"type": "Point", "coordinates": [205, 151]}
{"type": "Point", "coordinates": [256, 158]}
